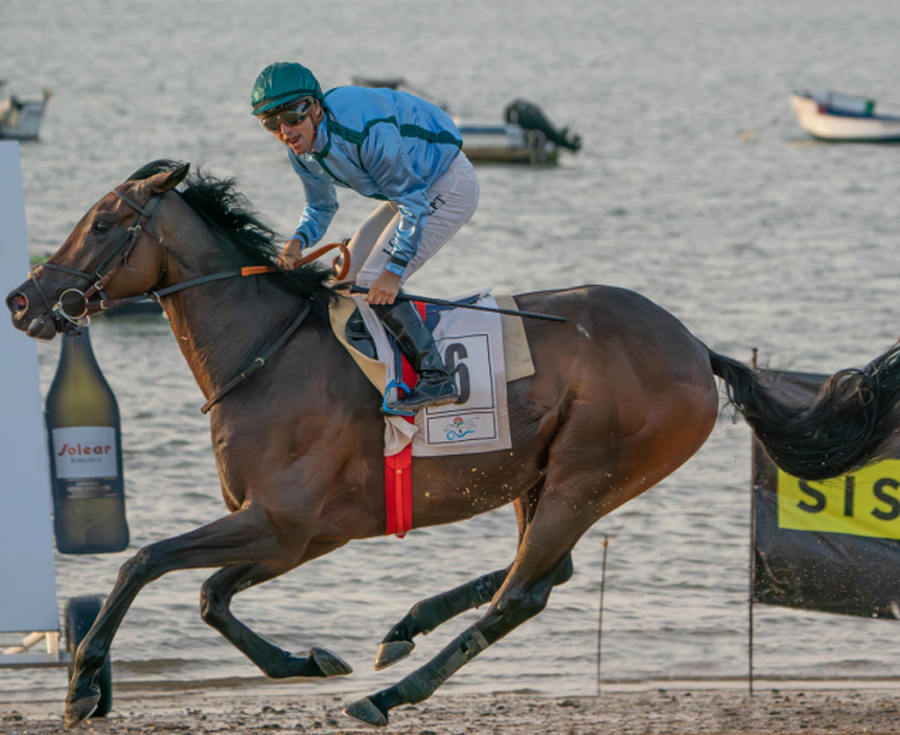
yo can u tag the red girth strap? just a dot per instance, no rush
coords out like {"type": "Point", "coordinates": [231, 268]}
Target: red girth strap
{"type": "Point", "coordinates": [398, 469]}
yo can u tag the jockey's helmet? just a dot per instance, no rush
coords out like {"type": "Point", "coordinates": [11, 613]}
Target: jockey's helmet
{"type": "Point", "coordinates": [282, 83]}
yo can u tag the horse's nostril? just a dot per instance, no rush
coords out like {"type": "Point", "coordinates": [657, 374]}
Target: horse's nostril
{"type": "Point", "coordinates": [17, 302]}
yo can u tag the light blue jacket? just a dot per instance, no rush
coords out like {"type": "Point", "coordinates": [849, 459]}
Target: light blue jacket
{"type": "Point", "coordinates": [384, 144]}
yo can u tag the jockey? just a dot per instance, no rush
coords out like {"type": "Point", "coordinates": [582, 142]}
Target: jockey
{"type": "Point", "coordinates": [386, 145]}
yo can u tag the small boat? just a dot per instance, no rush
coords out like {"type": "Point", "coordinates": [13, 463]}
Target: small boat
{"type": "Point", "coordinates": [837, 116]}
{"type": "Point", "coordinates": [524, 135]}
{"type": "Point", "coordinates": [21, 119]}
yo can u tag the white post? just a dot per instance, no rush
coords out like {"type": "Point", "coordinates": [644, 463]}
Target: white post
{"type": "Point", "coordinates": [27, 578]}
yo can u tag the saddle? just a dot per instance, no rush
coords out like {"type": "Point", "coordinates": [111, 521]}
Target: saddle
{"type": "Point", "coordinates": [359, 337]}
{"type": "Point", "coordinates": [479, 349]}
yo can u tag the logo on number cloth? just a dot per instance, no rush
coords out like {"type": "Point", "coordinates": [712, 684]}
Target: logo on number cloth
{"type": "Point", "coordinates": [458, 428]}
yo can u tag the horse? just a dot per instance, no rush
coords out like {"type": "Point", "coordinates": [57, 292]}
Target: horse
{"type": "Point", "coordinates": [622, 395]}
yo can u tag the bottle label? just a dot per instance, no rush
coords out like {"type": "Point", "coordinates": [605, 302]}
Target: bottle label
{"type": "Point", "coordinates": [89, 489]}
{"type": "Point", "coordinates": [85, 451]}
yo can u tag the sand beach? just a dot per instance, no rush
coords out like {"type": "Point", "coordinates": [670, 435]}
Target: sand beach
{"type": "Point", "coordinates": [659, 711]}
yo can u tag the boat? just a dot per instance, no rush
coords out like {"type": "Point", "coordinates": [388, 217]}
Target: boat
{"type": "Point", "coordinates": [21, 119]}
{"type": "Point", "coordinates": [837, 116]}
{"type": "Point", "coordinates": [523, 135]}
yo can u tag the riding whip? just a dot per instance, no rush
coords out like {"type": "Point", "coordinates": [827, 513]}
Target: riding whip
{"type": "Point", "coordinates": [442, 302]}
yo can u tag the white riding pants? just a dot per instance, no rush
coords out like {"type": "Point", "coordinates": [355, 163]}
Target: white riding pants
{"type": "Point", "coordinates": [454, 197]}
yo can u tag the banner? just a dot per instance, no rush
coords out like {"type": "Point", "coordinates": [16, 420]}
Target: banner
{"type": "Point", "coordinates": [831, 545]}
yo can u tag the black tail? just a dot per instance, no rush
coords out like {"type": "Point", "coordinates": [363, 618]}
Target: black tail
{"type": "Point", "coordinates": [849, 424]}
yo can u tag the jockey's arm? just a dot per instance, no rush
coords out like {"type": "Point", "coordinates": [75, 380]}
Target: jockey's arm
{"type": "Point", "coordinates": [321, 206]}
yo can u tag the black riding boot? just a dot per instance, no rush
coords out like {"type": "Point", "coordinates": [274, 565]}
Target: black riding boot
{"type": "Point", "coordinates": [435, 386]}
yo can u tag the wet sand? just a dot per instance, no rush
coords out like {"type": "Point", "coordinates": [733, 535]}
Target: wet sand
{"type": "Point", "coordinates": [659, 711]}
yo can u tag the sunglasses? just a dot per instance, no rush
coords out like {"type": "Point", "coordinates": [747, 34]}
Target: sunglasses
{"type": "Point", "coordinates": [291, 116]}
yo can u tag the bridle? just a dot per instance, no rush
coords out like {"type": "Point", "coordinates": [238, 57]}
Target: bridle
{"type": "Point", "coordinates": [68, 317]}
{"type": "Point", "coordinates": [64, 319]}
{"type": "Point", "coordinates": [73, 304]}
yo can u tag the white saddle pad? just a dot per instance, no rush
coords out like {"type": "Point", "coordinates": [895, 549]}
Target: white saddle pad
{"type": "Point", "coordinates": [471, 343]}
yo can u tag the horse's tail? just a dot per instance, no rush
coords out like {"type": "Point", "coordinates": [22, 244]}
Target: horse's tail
{"type": "Point", "coordinates": [851, 422]}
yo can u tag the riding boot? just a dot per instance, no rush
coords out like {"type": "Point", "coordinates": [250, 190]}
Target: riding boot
{"type": "Point", "coordinates": [435, 386]}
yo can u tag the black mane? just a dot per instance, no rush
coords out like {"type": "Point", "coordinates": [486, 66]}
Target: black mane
{"type": "Point", "coordinates": [229, 213]}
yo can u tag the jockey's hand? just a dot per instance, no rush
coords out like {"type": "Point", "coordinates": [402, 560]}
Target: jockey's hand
{"type": "Point", "coordinates": [384, 290]}
{"type": "Point", "coordinates": [290, 254]}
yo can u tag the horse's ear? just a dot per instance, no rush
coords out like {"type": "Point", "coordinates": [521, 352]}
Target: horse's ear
{"type": "Point", "coordinates": [167, 180]}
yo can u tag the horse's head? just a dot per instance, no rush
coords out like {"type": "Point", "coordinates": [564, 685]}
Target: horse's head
{"type": "Point", "coordinates": [115, 251]}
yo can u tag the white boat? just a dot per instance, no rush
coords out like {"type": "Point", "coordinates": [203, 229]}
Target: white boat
{"type": "Point", "coordinates": [836, 116]}
{"type": "Point", "coordinates": [524, 135]}
{"type": "Point", "coordinates": [21, 119]}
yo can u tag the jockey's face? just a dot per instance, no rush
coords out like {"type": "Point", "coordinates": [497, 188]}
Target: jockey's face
{"type": "Point", "coordinates": [295, 127]}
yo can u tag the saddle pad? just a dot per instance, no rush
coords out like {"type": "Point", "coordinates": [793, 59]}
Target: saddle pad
{"type": "Point", "coordinates": [471, 342]}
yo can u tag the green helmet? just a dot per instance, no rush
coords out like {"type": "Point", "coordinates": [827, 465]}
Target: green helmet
{"type": "Point", "coordinates": [281, 83]}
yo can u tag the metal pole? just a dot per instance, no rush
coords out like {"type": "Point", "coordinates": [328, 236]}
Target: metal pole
{"type": "Point", "coordinates": [750, 623]}
{"type": "Point", "coordinates": [752, 558]}
{"type": "Point", "coordinates": [600, 619]}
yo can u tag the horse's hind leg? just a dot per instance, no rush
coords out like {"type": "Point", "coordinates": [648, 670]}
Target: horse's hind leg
{"type": "Point", "coordinates": [274, 662]}
{"type": "Point", "coordinates": [573, 500]}
{"type": "Point", "coordinates": [584, 482]}
{"type": "Point", "coordinates": [542, 561]}
{"type": "Point", "coordinates": [428, 614]}
{"type": "Point", "coordinates": [500, 619]}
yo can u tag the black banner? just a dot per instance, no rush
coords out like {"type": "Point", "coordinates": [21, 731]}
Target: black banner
{"type": "Point", "coordinates": [833, 545]}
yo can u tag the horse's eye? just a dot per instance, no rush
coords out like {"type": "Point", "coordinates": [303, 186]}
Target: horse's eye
{"type": "Point", "coordinates": [101, 225]}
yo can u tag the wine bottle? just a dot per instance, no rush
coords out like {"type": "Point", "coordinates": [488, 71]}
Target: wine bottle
{"type": "Point", "coordinates": [85, 453]}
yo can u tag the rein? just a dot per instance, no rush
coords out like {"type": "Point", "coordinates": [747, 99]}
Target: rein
{"type": "Point", "coordinates": [340, 272]}
{"type": "Point", "coordinates": [258, 361]}
{"type": "Point", "coordinates": [119, 255]}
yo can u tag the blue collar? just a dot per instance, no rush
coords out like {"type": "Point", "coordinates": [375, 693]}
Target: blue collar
{"type": "Point", "coordinates": [322, 141]}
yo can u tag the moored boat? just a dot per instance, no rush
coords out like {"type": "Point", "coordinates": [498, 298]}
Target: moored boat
{"type": "Point", "coordinates": [524, 135]}
{"type": "Point", "coordinates": [21, 119]}
{"type": "Point", "coordinates": [836, 116]}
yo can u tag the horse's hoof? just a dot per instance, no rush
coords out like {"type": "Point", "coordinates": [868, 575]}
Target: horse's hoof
{"type": "Point", "coordinates": [79, 710]}
{"type": "Point", "coordinates": [330, 663]}
{"type": "Point", "coordinates": [391, 653]}
{"type": "Point", "coordinates": [365, 711]}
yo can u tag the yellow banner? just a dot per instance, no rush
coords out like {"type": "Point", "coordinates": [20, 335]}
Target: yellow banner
{"type": "Point", "coordinates": [866, 503]}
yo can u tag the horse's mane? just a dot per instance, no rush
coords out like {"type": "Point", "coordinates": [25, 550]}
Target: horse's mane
{"type": "Point", "coordinates": [229, 213]}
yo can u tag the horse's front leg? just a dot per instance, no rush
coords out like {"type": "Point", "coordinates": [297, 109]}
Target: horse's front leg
{"type": "Point", "coordinates": [247, 536]}
{"type": "Point", "coordinates": [274, 662]}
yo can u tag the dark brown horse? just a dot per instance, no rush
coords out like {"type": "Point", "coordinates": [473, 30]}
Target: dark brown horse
{"type": "Point", "coordinates": [622, 396]}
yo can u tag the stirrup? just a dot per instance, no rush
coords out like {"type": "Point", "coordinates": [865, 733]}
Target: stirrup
{"type": "Point", "coordinates": [386, 409]}
{"type": "Point", "coordinates": [447, 394]}
{"type": "Point", "coordinates": [400, 384]}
